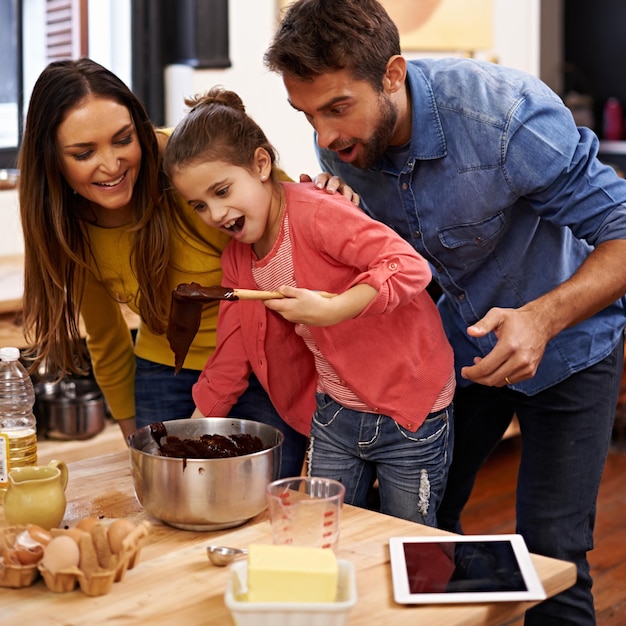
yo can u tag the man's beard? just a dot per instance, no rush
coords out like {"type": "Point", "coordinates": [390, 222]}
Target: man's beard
{"type": "Point", "coordinates": [373, 149]}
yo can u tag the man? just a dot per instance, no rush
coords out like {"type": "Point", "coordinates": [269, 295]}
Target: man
{"type": "Point", "coordinates": [483, 170]}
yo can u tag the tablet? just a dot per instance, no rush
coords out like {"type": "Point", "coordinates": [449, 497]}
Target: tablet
{"type": "Point", "coordinates": [463, 568]}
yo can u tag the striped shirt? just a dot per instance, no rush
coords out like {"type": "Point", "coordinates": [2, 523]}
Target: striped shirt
{"type": "Point", "coordinates": [276, 269]}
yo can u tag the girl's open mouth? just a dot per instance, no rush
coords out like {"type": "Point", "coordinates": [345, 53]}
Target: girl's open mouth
{"type": "Point", "coordinates": [237, 225]}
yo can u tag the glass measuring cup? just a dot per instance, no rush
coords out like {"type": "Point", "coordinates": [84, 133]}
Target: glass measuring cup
{"type": "Point", "coordinates": [305, 511]}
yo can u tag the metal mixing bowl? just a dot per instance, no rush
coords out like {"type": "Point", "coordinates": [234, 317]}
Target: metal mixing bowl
{"type": "Point", "coordinates": [204, 494]}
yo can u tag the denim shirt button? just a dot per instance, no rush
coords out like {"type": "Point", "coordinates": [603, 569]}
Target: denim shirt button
{"type": "Point", "coordinates": [417, 234]}
{"type": "Point", "coordinates": [462, 296]}
{"type": "Point", "coordinates": [405, 186]}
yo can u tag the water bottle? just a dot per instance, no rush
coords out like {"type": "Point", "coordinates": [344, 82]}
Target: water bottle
{"type": "Point", "coordinates": [18, 428]}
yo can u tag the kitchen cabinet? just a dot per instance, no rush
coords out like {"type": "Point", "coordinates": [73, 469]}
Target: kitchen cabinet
{"type": "Point", "coordinates": [595, 53]}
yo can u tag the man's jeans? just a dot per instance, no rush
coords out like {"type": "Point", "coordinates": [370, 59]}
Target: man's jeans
{"type": "Point", "coordinates": [161, 396]}
{"type": "Point", "coordinates": [355, 448]}
{"type": "Point", "coordinates": [566, 432]}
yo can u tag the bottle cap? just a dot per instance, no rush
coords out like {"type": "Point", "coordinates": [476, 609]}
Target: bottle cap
{"type": "Point", "coordinates": [9, 354]}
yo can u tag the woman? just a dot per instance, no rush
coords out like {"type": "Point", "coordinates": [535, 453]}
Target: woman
{"type": "Point", "coordinates": [102, 227]}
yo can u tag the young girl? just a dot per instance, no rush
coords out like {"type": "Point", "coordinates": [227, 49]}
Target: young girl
{"type": "Point", "coordinates": [375, 354]}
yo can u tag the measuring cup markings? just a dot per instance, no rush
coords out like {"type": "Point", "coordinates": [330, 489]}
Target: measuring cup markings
{"type": "Point", "coordinates": [300, 514]}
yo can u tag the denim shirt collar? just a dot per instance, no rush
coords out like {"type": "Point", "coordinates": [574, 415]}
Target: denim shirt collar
{"type": "Point", "coordinates": [428, 140]}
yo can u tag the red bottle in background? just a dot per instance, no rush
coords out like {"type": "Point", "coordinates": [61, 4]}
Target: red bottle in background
{"type": "Point", "coordinates": [613, 120]}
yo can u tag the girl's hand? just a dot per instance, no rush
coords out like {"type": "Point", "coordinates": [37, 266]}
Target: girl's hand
{"type": "Point", "coordinates": [332, 184]}
{"type": "Point", "coordinates": [304, 306]}
{"type": "Point", "coordinates": [128, 427]}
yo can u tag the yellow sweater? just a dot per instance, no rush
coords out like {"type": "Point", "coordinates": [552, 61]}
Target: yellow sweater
{"type": "Point", "coordinates": [108, 337]}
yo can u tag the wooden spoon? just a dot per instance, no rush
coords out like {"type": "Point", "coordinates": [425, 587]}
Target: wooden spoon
{"type": "Point", "coordinates": [194, 291]}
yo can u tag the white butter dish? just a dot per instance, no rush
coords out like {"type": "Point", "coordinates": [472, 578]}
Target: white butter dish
{"type": "Point", "coordinates": [290, 613]}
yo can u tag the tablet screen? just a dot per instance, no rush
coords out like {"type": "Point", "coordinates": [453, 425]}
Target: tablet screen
{"type": "Point", "coordinates": [479, 568]}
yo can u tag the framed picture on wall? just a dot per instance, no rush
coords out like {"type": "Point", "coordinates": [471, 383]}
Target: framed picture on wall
{"type": "Point", "coordinates": [440, 25]}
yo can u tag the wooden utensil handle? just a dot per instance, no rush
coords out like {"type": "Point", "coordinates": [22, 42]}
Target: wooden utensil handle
{"type": "Point", "coordinates": [255, 294]}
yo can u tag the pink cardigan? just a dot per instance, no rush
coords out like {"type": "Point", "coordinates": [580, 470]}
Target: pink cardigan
{"type": "Point", "coordinates": [394, 355]}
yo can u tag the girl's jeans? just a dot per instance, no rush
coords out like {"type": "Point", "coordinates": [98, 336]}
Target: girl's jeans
{"type": "Point", "coordinates": [357, 448]}
{"type": "Point", "coordinates": [161, 396]}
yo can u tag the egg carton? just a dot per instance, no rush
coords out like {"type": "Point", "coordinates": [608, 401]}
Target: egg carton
{"type": "Point", "coordinates": [98, 567]}
{"type": "Point", "coordinates": [12, 573]}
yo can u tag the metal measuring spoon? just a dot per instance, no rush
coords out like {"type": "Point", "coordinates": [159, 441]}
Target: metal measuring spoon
{"type": "Point", "coordinates": [223, 555]}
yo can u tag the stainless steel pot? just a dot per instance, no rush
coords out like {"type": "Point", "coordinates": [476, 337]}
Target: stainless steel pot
{"type": "Point", "coordinates": [69, 409]}
{"type": "Point", "coordinates": [204, 494]}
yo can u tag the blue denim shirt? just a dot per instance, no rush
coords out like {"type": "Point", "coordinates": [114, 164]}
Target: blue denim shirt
{"type": "Point", "coordinates": [504, 196]}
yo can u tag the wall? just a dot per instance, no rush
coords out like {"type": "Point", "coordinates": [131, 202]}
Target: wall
{"type": "Point", "coordinates": [518, 42]}
{"type": "Point", "coordinates": [11, 251]}
{"type": "Point", "coordinates": [11, 239]}
{"type": "Point", "coordinates": [109, 36]}
{"type": "Point", "coordinates": [526, 36]}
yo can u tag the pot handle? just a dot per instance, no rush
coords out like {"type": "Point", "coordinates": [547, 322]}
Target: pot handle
{"type": "Point", "coordinates": [62, 467]}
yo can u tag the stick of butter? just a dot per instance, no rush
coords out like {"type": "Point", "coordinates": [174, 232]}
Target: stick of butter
{"type": "Point", "coordinates": [284, 573]}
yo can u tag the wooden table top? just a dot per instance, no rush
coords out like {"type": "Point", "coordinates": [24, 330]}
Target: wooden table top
{"type": "Point", "coordinates": [174, 582]}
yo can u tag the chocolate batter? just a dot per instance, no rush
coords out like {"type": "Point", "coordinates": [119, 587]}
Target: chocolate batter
{"type": "Point", "coordinates": [206, 446]}
{"type": "Point", "coordinates": [186, 314]}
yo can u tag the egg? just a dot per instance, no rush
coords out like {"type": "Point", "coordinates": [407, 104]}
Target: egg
{"type": "Point", "coordinates": [117, 532]}
{"type": "Point", "coordinates": [29, 556]}
{"type": "Point", "coordinates": [29, 550]}
{"type": "Point", "coordinates": [61, 553]}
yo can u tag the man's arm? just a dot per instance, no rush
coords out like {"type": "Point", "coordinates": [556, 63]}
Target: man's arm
{"type": "Point", "coordinates": [524, 333]}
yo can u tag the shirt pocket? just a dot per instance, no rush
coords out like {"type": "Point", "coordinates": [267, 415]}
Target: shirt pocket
{"type": "Point", "coordinates": [471, 243]}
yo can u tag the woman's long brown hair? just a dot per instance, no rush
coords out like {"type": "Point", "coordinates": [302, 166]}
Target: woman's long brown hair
{"type": "Point", "coordinates": [57, 253]}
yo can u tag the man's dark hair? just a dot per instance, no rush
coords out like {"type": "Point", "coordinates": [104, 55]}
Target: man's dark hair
{"type": "Point", "coordinates": [320, 36]}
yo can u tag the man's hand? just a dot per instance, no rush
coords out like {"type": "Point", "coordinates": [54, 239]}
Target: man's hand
{"type": "Point", "coordinates": [522, 341]}
{"type": "Point", "coordinates": [524, 333]}
{"type": "Point", "coordinates": [332, 184]}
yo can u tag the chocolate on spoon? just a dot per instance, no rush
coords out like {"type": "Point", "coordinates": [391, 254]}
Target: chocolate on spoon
{"type": "Point", "coordinates": [186, 311]}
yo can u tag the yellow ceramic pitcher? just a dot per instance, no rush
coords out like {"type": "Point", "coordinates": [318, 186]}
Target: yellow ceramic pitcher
{"type": "Point", "coordinates": [36, 495]}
